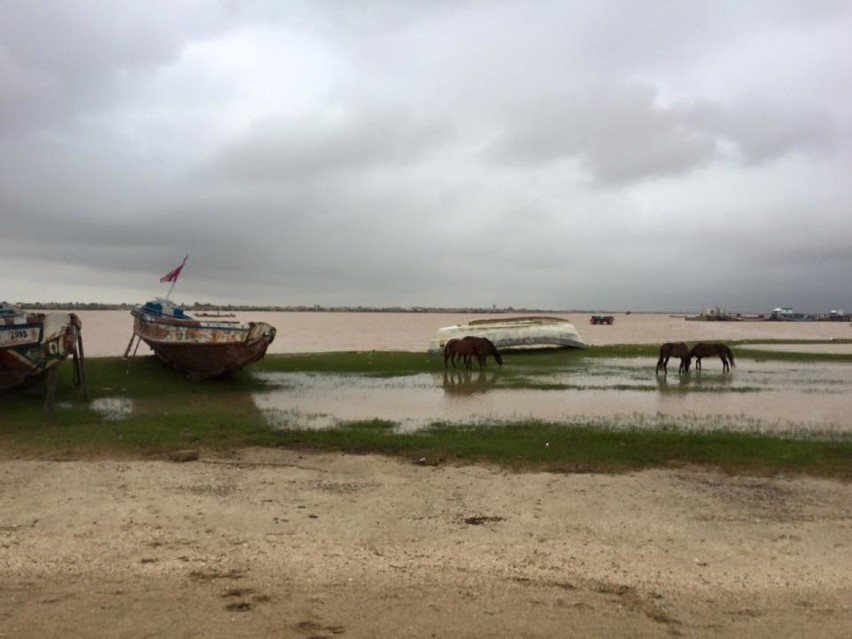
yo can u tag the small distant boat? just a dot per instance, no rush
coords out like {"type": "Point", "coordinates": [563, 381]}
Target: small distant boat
{"type": "Point", "coordinates": [33, 345]}
{"type": "Point", "coordinates": [513, 332]}
{"type": "Point", "coordinates": [787, 314]}
{"type": "Point", "coordinates": [715, 314]}
{"type": "Point", "coordinates": [199, 349]}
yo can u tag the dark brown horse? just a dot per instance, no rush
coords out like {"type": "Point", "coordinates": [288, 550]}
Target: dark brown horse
{"type": "Point", "coordinates": [484, 347]}
{"type": "Point", "coordinates": [674, 349]}
{"type": "Point", "coordinates": [456, 348]}
{"type": "Point", "coordinates": [469, 347]}
{"type": "Point", "coordinates": [706, 350]}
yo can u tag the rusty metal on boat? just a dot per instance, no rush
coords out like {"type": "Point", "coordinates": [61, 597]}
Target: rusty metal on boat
{"type": "Point", "coordinates": [199, 349]}
{"type": "Point", "coordinates": [33, 345]}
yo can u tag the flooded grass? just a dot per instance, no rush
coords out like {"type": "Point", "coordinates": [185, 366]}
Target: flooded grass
{"type": "Point", "coordinates": [780, 397]}
{"type": "Point", "coordinates": [558, 410]}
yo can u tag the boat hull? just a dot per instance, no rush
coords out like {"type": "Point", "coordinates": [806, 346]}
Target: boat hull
{"type": "Point", "coordinates": [514, 332]}
{"type": "Point", "coordinates": [203, 350]}
{"type": "Point", "coordinates": [31, 344]}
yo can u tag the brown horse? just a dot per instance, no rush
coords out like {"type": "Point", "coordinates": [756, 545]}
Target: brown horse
{"type": "Point", "coordinates": [705, 350]}
{"type": "Point", "coordinates": [484, 347]}
{"type": "Point", "coordinates": [468, 348]}
{"type": "Point", "coordinates": [455, 348]}
{"type": "Point", "coordinates": [674, 349]}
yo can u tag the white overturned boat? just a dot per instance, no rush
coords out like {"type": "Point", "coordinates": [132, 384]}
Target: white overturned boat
{"type": "Point", "coordinates": [513, 332]}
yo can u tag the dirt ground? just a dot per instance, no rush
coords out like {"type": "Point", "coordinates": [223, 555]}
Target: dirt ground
{"type": "Point", "coordinates": [278, 544]}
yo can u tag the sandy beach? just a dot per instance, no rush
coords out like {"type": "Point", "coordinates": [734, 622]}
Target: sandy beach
{"type": "Point", "coordinates": [271, 543]}
{"type": "Point", "coordinates": [277, 544]}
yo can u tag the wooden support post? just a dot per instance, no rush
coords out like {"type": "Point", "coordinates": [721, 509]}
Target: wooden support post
{"type": "Point", "coordinates": [129, 345]}
{"type": "Point", "coordinates": [81, 367]}
{"type": "Point", "coordinates": [50, 391]}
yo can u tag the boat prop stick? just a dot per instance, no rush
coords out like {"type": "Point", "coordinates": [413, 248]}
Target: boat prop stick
{"type": "Point", "coordinates": [129, 345]}
{"type": "Point", "coordinates": [50, 391]}
{"type": "Point", "coordinates": [132, 357]}
{"type": "Point", "coordinates": [80, 365]}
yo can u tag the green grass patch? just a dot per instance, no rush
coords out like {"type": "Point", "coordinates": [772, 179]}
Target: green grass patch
{"type": "Point", "coordinates": [585, 448]}
{"type": "Point", "coordinates": [170, 413]}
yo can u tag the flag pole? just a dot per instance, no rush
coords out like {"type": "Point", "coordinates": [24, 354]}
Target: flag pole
{"type": "Point", "coordinates": [172, 276]}
{"type": "Point", "coordinates": [171, 288]}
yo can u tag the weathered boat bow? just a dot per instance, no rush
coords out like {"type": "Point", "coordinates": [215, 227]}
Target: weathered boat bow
{"type": "Point", "coordinates": [200, 349]}
{"type": "Point", "coordinates": [33, 345]}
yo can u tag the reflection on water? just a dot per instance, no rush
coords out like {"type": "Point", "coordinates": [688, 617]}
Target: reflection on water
{"type": "Point", "coordinates": [757, 396]}
{"type": "Point", "coordinates": [467, 382]}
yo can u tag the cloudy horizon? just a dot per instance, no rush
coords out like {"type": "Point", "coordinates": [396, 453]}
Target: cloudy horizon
{"type": "Point", "coordinates": [586, 155]}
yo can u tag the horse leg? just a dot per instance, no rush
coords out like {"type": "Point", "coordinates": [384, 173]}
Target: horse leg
{"type": "Point", "coordinates": [725, 366]}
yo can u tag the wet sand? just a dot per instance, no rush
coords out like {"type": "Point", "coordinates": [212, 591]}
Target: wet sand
{"type": "Point", "coordinates": [268, 543]}
{"type": "Point", "coordinates": [261, 543]}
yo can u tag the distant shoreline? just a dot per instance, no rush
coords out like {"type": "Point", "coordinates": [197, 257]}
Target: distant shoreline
{"type": "Point", "coordinates": [479, 310]}
{"type": "Point", "coordinates": [98, 306]}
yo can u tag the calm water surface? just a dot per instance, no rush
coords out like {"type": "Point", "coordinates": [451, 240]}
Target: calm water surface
{"type": "Point", "coordinates": [107, 333]}
{"type": "Point", "coordinates": [756, 396]}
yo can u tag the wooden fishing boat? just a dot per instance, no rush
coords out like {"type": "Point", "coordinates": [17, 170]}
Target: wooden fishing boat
{"type": "Point", "coordinates": [513, 332]}
{"type": "Point", "coordinates": [199, 349]}
{"type": "Point", "coordinates": [33, 345]}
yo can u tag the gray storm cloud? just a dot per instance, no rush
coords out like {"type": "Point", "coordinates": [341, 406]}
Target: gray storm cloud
{"type": "Point", "coordinates": [621, 155]}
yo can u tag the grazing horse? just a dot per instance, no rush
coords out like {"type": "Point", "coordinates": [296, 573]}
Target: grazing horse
{"type": "Point", "coordinates": [459, 348]}
{"type": "Point", "coordinates": [484, 347]}
{"type": "Point", "coordinates": [674, 349]}
{"type": "Point", "coordinates": [704, 350]}
{"type": "Point", "coordinates": [468, 348]}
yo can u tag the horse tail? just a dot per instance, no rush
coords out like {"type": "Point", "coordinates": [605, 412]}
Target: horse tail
{"type": "Point", "coordinates": [447, 351]}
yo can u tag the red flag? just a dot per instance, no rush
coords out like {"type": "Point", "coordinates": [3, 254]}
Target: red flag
{"type": "Point", "coordinates": [172, 276]}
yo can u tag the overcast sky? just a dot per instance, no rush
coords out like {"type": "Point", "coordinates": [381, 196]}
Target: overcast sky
{"type": "Point", "coordinates": [591, 154]}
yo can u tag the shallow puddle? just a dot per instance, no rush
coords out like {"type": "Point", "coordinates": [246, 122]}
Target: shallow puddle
{"type": "Point", "coordinates": [755, 397]}
{"type": "Point", "coordinates": [112, 408]}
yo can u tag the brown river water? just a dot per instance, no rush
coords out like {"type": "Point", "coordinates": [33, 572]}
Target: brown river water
{"type": "Point", "coordinates": [804, 398]}
{"type": "Point", "coordinates": [106, 333]}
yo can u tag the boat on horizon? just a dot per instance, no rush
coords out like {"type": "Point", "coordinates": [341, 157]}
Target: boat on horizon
{"type": "Point", "coordinates": [513, 332]}
{"type": "Point", "coordinates": [33, 345]}
{"type": "Point", "coordinates": [787, 314]}
{"type": "Point", "coordinates": [199, 349]}
{"type": "Point", "coordinates": [715, 314]}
